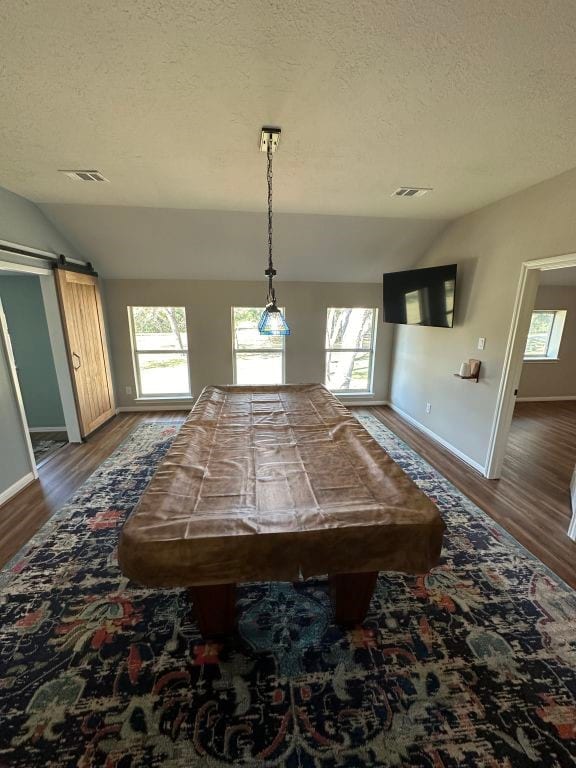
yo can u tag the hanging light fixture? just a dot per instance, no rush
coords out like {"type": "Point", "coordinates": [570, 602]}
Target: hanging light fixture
{"type": "Point", "coordinates": [272, 322]}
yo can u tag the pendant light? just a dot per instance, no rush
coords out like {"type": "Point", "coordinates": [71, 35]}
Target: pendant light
{"type": "Point", "coordinates": [272, 322]}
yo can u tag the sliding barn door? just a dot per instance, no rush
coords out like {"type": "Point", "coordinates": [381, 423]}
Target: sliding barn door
{"type": "Point", "coordinates": [83, 322]}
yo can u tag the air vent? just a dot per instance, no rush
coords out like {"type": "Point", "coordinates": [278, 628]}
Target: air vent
{"type": "Point", "coordinates": [411, 191]}
{"type": "Point", "coordinates": [82, 175]}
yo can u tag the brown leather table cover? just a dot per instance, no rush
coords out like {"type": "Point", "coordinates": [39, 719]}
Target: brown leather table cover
{"type": "Point", "coordinates": [276, 483]}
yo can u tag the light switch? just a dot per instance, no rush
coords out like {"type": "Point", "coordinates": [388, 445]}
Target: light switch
{"type": "Point", "coordinates": [481, 342]}
{"type": "Point", "coordinates": [128, 390]}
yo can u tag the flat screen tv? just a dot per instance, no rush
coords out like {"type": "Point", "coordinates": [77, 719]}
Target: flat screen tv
{"type": "Point", "coordinates": [421, 296]}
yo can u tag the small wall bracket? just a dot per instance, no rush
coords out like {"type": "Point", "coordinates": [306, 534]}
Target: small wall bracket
{"type": "Point", "coordinates": [474, 376]}
{"type": "Point", "coordinates": [269, 136]}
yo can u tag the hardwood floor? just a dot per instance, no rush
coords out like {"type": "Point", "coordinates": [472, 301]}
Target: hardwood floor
{"type": "Point", "coordinates": [531, 500]}
{"type": "Point", "coordinates": [23, 515]}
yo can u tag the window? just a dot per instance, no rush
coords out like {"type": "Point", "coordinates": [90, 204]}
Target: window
{"type": "Point", "coordinates": [258, 359]}
{"type": "Point", "coordinates": [350, 338]}
{"type": "Point", "coordinates": [545, 334]}
{"type": "Point", "coordinates": [160, 350]}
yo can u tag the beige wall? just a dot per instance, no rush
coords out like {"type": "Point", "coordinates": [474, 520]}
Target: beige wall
{"type": "Point", "coordinates": [489, 246]}
{"type": "Point", "coordinates": [554, 378]}
{"type": "Point", "coordinates": [208, 315]}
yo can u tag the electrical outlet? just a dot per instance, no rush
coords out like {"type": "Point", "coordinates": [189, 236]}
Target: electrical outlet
{"type": "Point", "coordinates": [428, 407]}
{"type": "Point", "coordinates": [128, 390]}
{"type": "Point", "coordinates": [481, 342]}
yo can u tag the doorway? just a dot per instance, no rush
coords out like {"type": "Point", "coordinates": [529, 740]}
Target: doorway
{"type": "Point", "coordinates": [537, 385]}
{"type": "Point", "coordinates": [27, 327]}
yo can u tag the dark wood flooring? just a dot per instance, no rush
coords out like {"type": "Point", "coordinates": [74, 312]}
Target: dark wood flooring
{"type": "Point", "coordinates": [67, 469]}
{"type": "Point", "coordinates": [531, 500]}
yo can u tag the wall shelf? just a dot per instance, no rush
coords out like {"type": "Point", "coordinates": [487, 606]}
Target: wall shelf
{"type": "Point", "coordinates": [475, 366]}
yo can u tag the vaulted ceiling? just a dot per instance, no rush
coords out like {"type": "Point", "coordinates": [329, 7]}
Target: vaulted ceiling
{"type": "Point", "coordinates": [126, 242]}
{"type": "Point", "coordinates": [167, 97]}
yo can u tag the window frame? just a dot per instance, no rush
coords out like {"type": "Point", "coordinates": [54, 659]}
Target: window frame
{"type": "Point", "coordinates": [140, 395]}
{"type": "Point", "coordinates": [371, 353]}
{"type": "Point", "coordinates": [554, 339]}
{"type": "Point", "coordinates": [235, 351]}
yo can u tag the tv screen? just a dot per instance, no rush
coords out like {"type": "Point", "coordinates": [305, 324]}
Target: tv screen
{"type": "Point", "coordinates": [421, 296]}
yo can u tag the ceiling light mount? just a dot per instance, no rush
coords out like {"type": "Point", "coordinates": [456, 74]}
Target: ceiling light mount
{"type": "Point", "coordinates": [272, 322]}
{"type": "Point", "coordinates": [269, 137]}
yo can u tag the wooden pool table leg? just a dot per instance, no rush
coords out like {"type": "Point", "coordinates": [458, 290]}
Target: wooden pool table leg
{"type": "Point", "coordinates": [351, 595]}
{"type": "Point", "coordinates": [215, 608]}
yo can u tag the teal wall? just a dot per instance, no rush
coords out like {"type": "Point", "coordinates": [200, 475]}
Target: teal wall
{"type": "Point", "coordinates": [14, 458]}
{"type": "Point", "coordinates": [22, 301]}
{"type": "Point", "coordinates": [24, 223]}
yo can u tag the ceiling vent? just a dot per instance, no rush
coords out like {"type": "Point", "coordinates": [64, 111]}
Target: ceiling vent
{"type": "Point", "coordinates": [411, 191]}
{"type": "Point", "coordinates": [84, 175]}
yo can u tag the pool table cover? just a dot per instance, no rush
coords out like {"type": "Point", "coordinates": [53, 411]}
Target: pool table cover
{"type": "Point", "coordinates": [276, 483]}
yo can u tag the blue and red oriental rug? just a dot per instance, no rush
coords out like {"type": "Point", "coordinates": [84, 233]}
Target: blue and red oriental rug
{"type": "Point", "coordinates": [473, 665]}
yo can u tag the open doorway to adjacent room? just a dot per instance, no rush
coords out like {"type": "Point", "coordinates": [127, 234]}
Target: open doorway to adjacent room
{"type": "Point", "coordinates": [535, 436]}
{"type": "Point", "coordinates": [26, 325]}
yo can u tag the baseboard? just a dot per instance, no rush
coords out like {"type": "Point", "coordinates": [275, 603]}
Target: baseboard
{"type": "Point", "coordinates": [16, 487]}
{"type": "Point", "coordinates": [552, 399]}
{"type": "Point", "coordinates": [47, 429]}
{"type": "Point", "coordinates": [444, 443]}
{"type": "Point", "coordinates": [361, 401]}
{"type": "Point", "coordinates": [155, 407]}
{"type": "Point", "coordinates": [152, 407]}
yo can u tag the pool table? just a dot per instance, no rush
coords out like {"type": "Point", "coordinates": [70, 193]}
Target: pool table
{"type": "Point", "coordinates": [276, 483]}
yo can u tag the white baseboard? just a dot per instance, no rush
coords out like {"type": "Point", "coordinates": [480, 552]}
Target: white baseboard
{"type": "Point", "coordinates": [361, 401]}
{"type": "Point", "coordinates": [184, 407]}
{"type": "Point", "coordinates": [46, 429]}
{"type": "Point", "coordinates": [152, 407]}
{"type": "Point", "coordinates": [554, 398]}
{"type": "Point", "coordinates": [444, 443]}
{"type": "Point", "coordinates": [16, 487]}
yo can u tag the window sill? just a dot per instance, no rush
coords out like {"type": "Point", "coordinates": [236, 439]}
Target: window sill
{"type": "Point", "coordinates": [541, 359]}
{"type": "Point", "coordinates": [177, 398]}
{"type": "Point", "coordinates": [358, 393]}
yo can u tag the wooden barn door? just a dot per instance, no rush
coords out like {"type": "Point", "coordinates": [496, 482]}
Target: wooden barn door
{"type": "Point", "coordinates": [85, 333]}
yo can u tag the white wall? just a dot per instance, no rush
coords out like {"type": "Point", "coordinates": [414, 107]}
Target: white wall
{"type": "Point", "coordinates": [164, 243]}
{"type": "Point", "coordinates": [208, 311]}
{"type": "Point", "coordinates": [554, 378]}
{"type": "Point", "coordinates": [489, 246]}
{"type": "Point", "coordinates": [22, 222]}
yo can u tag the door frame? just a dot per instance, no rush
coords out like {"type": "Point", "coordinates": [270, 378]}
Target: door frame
{"type": "Point", "coordinates": [514, 356]}
{"type": "Point", "coordinates": [57, 344]}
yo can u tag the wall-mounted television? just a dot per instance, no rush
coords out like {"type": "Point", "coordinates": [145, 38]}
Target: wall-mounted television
{"type": "Point", "coordinates": [421, 296]}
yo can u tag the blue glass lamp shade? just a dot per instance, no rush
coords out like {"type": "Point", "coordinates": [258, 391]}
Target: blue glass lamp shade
{"type": "Point", "coordinates": [272, 322]}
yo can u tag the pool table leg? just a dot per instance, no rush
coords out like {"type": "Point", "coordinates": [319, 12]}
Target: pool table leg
{"type": "Point", "coordinates": [215, 608]}
{"type": "Point", "coordinates": [351, 595]}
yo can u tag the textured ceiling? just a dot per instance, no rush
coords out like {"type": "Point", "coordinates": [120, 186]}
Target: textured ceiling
{"type": "Point", "coordinates": [166, 98]}
{"type": "Point", "coordinates": [127, 242]}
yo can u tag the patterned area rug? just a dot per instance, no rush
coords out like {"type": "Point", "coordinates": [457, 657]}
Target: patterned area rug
{"type": "Point", "coordinates": [45, 444]}
{"type": "Point", "coordinates": [473, 665]}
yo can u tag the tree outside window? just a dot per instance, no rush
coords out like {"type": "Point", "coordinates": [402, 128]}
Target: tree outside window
{"type": "Point", "coordinates": [350, 338]}
{"type": "Point", "coordinates": [160, 350]}
{"type": "Point", "coordinates": [258, 359]}
{"type": "Point", "coordinates": [545, 334]}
